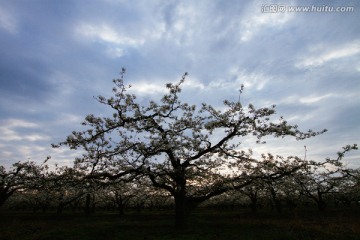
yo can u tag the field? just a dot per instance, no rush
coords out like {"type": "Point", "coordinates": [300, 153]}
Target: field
{"type": "Point", "coordinates": [202, 224]}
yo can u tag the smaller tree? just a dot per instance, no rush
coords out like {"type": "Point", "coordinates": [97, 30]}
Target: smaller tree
{"type": "Point", "coordinates": [352, 187]}
{"type": "Point", "coordinates": [267, 176]}
{"type": "Point", "coordinates": [252, 192]}
{"type": "Point", "coordinates": [320, 179]}
{"type": "Point", "coordinates": [68, 185]}
{"type": "Point", "coordinates": [21, 176]}
{"type": "Point", "coordinates": [120, 194]}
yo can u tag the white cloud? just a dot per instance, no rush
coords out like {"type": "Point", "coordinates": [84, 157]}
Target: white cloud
{"type": "Point", "coordinates": [327, 55]}
{"type": "Point", "coordinates": [106, 33]}
{"type": "Point", "coordinates": [9, 135]}
{"type": "Point", "coordinates": [25, 150]}
{"type": "Point", "coordinates": [12, 131]}
{"type": "Point", "coordinates": [8, 21]}
{"type": "Point", "coordinates": [118, 39]}
{"type": "Point", "coordinates": [15, 123]}
{"type": "Point", "coordinates": [186, 26]}
{"type": "Point", "coordinates": [194, 83]}
{"type": "Point", "coordinates": [311, 99]}
{"type": "Point", "coordinates": [289, 99]}
{"type": "Point", "coordinates": [150, 87]}
{"type": "Point", "coordinates": [256, 20]}
{"type": "Point", "coordinates": [314, 99]}
{"type": "Point", "coordinates": [145, 87]}
{"type": "Point", "coordinates": [185, 16]}
{"type": "Point", "coordinates": [64, 118]}
{"type": "Point", "coordinates": [115, 52]}
{"type": "Point", "coordinates": [252, 80]}
{"type": "Point", "coordinates": [36, 137]}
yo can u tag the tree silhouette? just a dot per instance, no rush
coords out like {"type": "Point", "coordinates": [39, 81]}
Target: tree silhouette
{"type": "Point", "coordinates": [182, 148]}
{"type": "Point", "coordinates": [324, 178]}
{"type": "Point", "coordinates": [22, 176]}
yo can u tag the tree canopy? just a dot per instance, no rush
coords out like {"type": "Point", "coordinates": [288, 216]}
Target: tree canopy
{"type": "Point", "coordinates": [181, 148]}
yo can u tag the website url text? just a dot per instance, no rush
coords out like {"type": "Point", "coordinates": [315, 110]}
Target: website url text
{"type": "Point", "coordinates": [282, 8]}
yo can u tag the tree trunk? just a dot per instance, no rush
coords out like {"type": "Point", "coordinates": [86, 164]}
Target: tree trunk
{"type": "Point", "coordinates": [181, 203]}
{"type": "Point", "coordinates": [276, 200]}
{"type": "Point", "coordinates": [253, 201]}
{"type": "Point", "coordinates": [181, 209]}
{"type": "Point", "coordinates": [253, 205]}
{"type": "Point", "coordinates": [4, 195]}
{"type": "Point", "coordinates": [87, 204]}
{"type": "Point", "coordinates": [119, 203]}
{"type": "Point", "coordinates": [59, 209]}
{"type": "Point", "coordinates": [321, 203]}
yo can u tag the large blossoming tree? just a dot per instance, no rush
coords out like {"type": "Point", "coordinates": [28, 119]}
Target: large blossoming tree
{"type": "Point", "coordinates": [173, 144]}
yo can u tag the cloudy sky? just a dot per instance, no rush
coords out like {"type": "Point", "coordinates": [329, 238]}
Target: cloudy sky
{"type": "Point", "coordinates": [56, 55]}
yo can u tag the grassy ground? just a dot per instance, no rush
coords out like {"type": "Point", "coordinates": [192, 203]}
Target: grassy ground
{"type": "Point", "coordinates": [203, 224]}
